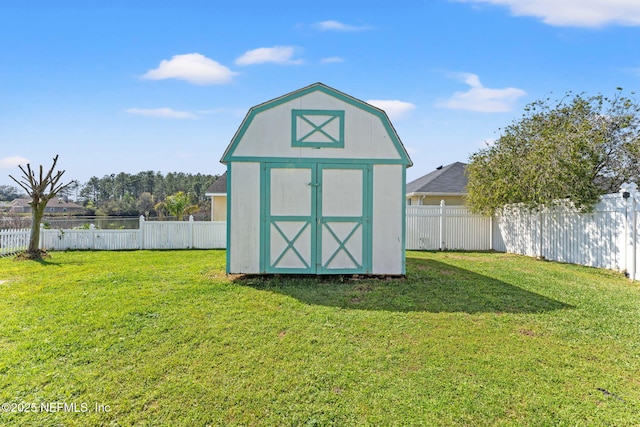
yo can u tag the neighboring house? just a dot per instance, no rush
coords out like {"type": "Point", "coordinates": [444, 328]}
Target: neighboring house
{"type": "Point", "coordinates": [5, 206]}
{"type": "Point", "coordinates": [448, 183]}
{"type": "Point", "coordinates": [218, 193]}
{"type": "Point", "coordinates": [54, 206]}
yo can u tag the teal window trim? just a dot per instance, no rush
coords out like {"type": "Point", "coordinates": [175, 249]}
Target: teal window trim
{"type": "Point", "coordinates": [318, 127]}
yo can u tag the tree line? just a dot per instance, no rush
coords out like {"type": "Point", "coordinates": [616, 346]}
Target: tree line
{"type": "Point", "coordinates": [144, 193]}
{"type": "Point", "coordinates": [9, 193]}
{"type": "Point", "coordinates": [123, 194]}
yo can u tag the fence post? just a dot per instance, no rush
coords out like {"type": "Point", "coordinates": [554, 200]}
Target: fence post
{"type": "Point", "coordinates": [626, 235]}
{"type": "Point", "coordinates": [190, 232]}
{"type": "Point", "coordinates": [624, 242]}
{"type": "Point", "coordinates": [442, 244]}
{"type": "Point", "coordinates": [634, 235]}
{"type": "Point", "coordinates": [141, 232]}
{"type": "Point", "coordinates": [491, 233]}
{"type": "Point", "coordinates": [629, 193]}
{"type": "Point", "coordinates": [92, 230]}
{"type": "Point", "coordinates": [541, 224]}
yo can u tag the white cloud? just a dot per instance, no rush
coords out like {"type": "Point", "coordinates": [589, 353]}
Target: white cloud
{"type": "Point", "coordinates": [577, 13]}
{"type": "Point", "coordinates": [332, 25]}
{"type": "Point", "coordinates": [277, 55]}
{"type": "Point", "coordinates": [193, 68]}
{"type": "Point", "coordinates": [331, 60]}
{"type": "Point", "coordinates": [395, 109]}
{"type": "Point", "coordinates": [12, 162]}
{"type": "Point", "coordinates": [164, 113]}
{"type": "Point", "coordinates": [482, 99]}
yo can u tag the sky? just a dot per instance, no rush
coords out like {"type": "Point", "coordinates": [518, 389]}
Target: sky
{"type": "Point", "coordinates": [128, 86]}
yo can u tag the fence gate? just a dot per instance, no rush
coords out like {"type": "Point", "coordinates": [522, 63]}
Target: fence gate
{"type": "Point", "coordinates": [316, 218]}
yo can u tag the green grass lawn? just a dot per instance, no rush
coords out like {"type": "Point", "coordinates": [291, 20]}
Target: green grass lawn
{"type": "Point", "coordinates": [165, 338]}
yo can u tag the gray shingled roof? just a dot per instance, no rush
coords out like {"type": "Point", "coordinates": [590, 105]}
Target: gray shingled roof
{"type": "Point", "coordinates": [219, 186]}
{"type": "Point", "coordinates": [450, 179]}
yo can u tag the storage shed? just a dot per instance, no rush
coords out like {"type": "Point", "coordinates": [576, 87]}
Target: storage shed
{"type": "Point", "coordinates": [316, 185]}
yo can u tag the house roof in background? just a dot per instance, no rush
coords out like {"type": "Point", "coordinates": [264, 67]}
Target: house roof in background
{"type": "Point", "coordinates": [450, 179]}
{"type": "Point", "coordinates": [53, 203]}
{"type": "Point", "coordinates": [219, 186]}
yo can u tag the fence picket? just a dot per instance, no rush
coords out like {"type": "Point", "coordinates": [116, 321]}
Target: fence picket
{"type": "Point", "coordinates": [606, 238]}
{"type": "Point", "coordinates": [150, 235]}
{"type": "Point", "coordinates": [13, 241]}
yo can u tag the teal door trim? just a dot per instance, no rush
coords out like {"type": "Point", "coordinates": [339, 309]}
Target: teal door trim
{"type": "Point", "coordinates": [316, 223]}
{"type": "Point", "coordinates": [361, 222]}
{"type": "Point", "coordinates": [268, 221]}
{"type": "Point", "coordinates": [291, 244]}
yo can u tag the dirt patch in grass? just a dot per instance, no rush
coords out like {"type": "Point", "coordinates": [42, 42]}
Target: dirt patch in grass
{"type": "Point", "coordinates": [363, 288]}
{"type": "Point", "coordinates": [28, 256]}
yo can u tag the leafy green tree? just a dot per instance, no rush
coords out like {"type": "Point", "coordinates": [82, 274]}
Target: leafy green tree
{"type": "Point", "coordinates": [161, 210]}
{"type": "Point", "coordinates": [179, 205]}
{"type": "Point", "coordinates": [145, 203]}
{"type": "Point", "coordinates": [576, 149]}
{"type": "Point", "coordinates": [8, 193]}
{"type": "Point", "coordinates": [90, 192]}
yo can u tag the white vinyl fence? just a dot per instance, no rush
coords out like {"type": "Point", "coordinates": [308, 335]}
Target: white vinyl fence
{"type": "Point", "coordinates": [450, 228]}
{"type": "Point", "coordinates": [150, 235]}
{"type": "Point", "coordinates": [605, 238]}
{"type": "Point", "coordinates": [13, 241]}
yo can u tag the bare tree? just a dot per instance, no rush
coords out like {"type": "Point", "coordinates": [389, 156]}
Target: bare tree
{"type": "Point", "coordinates": [41, 189]}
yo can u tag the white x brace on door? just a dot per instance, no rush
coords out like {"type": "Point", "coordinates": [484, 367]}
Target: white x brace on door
{"type": "Point", "coordinates": [316, 218]}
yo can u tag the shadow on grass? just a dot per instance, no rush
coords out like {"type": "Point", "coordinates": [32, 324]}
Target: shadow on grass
{"type": "Point", "coordinates": [430, 286]}
{"type": "Point", "coordinates": [44, 260]}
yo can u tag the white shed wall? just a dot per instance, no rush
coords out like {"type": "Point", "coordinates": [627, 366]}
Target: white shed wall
{"type": "Point", "coordinates": [266, 136]}
{"type": "Point", "coordinates": [387, 229]}
{"type": "Point", "coordinates": [244, 236]}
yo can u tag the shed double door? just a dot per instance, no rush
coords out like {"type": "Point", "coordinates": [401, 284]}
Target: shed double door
{"type": "Point", "coordinates": [316, 218]}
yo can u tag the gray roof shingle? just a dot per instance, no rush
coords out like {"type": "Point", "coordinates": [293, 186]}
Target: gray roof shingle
{"type": "Point", "coordinates": [450, 179]}
{"type": "Point", "coordinates": [219, 186]}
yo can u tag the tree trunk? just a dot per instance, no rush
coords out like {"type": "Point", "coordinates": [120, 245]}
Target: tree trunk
{"type": "Point", "coordinates": [37, 212]}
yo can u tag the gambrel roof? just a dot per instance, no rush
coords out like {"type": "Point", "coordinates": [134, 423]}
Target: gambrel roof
{"type": "Point", "coordinates": [317, 121]}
